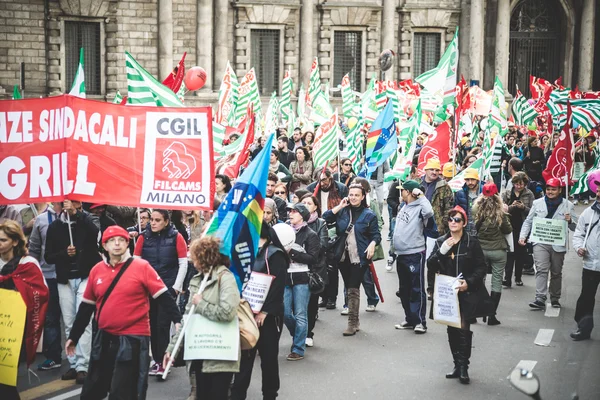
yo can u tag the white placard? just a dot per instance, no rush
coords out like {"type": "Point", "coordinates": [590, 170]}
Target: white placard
{"type": "Point", "coordinates": [256, 290]}
{"type": "Point", "coordinates": [445, 301]}
{"type": "Point", "coordinates": [211, 340]}
{"type": "Point", "coordinates": [549, 231]}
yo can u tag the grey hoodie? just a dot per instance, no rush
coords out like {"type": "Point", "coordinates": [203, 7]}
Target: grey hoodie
{"type": "Point", "coordinates": [410, 222]}
{"type": "Point", "coordinates": [37, 242]}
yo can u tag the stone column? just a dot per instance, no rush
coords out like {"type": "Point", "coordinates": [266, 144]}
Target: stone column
{"type": "Point", "coordinates": [306, 40]}
{"type": "Point", "coordinates": [221, 45]}
{"type": "Point", "coordinates": [463, 40]}
{"type": "Point", "coordinates": [204, 39]}
{"type": "Point", "coordinates": [476, 41]}
{"type": "Point", "coordinates": [388, 34]}
{"type": "Point", "coordinates": [502, 43]}
{"type": "Point", "coordinates": [165, 38]}
{"type": "Point", "coordinates": [586, 47]}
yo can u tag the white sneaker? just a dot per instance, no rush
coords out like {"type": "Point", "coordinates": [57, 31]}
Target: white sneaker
{"type": "Point", "coordinates": [389, 268]}
{"type": "Point", "coordinates": [345, 311]}
{"type": "Point", "coordinates": [309, 342]}
{"type": "Point", "coordinates": [586, 202]}
{"type": "Point", "coordinates": [575, 202]}
{"type": "Point", "coordinates": [404, 325]}
{"type": "Point", "coordinates": [370, 308]}
{"type": "Point", "coordinates": [420, 329]}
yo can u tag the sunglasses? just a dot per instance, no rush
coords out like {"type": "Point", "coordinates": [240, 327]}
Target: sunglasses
{"type": "Point", "coordinates": [347, 165]}
{"type": "Point", "coordinates": [279, 192]}
{"type": "Point", "coordinates": [455, 219]}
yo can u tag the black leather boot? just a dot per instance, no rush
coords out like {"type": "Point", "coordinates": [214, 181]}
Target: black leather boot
{"type": "Point", "coordinates": [452, 340]}
{"type": "Point", "coordinates": [464, 342]}
{"type": "Point", "coordinates": [492, 320]}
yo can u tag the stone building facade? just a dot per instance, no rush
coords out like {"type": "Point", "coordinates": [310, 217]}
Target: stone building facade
{"type": "Point", "coordinates": [39, 39]}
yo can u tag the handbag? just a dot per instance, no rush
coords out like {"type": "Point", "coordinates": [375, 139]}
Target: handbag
{"type": "Point", "coordinates": [337, 246]}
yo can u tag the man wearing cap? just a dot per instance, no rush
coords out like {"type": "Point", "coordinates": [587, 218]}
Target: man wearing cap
{"type": "Point", "coordinates": [467, 195]}
{"type": "Point", "coordinates": [120, 355]}
{"type": "Point", "coordinates": [441, 198]}
{"type": "Point", "coordinates": [465, 147]}
{"type": "Point", "coordinates": [548, 258]}
{"type": "Point", "coordinates": [449, 171]}
{"type": "Point", "coordinates": [585, 242]}
{"type": "Point", "coordinates": [409, 244]}
{"type": "Point", "coordinates": [99, 210]}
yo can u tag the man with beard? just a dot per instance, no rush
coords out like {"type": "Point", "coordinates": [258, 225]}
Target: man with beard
{"type": "Point", "coordinates": [467, 195]}
{"type": "Point", "coordinates": [99, 210]}
{"type": "Point", "coordinates": [441, 198]}
{"type": "Point", "coordinates": [285, 156]}
{"type": "Point", "coordinates": [272, 181]}
{"type": "Point", "coordinates": [296, 140]}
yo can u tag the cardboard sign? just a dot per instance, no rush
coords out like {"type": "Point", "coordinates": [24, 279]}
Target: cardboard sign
{"type": "Point", "coordinates": [256, 290]}
{"type": "Point", "coordinates": [446, 309]}
{"type": "Point", "coordinates": [549, 231]}
{"type": "Point", "coordinates": [578, 170]}
{"type": "Point", "coordinates": [211, 340]}
{"type": "Point", "coordinates": [12, 328]}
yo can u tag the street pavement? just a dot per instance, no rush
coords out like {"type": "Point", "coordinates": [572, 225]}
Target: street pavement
{"type": "Point", "coordinates": [383, 363]}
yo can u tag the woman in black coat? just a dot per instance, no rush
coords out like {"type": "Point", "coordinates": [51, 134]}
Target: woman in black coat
{"type": "Point", "coordinates": [455, 253]}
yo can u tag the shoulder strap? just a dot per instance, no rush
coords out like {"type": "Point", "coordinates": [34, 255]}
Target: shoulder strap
{"type": "Point", "coordinates": [112, 286]}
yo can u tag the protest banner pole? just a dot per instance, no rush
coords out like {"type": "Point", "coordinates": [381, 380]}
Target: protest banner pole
{"type": "Point", "coordinates": [70, 230]}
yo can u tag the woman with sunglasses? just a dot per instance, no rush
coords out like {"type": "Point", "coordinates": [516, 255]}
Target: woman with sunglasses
{"type": "Point", "coordinates": [358, 225]}
{"type": "Point", "coordinates": [280, 191]}
{"type": "Point", "coordinates": [457, 253]}
{"type": "Point", "coordinates": [346, 174]}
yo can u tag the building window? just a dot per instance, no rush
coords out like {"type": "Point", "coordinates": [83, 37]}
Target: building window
{"type": "Point", "coordinates": [265, 58]}
{"type": "Point", "coordinates": [426, 52]}
{"type": "Point", "coordinates": [87, 35]}
{"type": "Point", "coordinates": [347, 57]}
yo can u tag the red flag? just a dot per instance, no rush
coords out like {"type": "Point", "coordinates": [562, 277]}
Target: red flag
{"type": "Point", "coordinates": [376, 281]}
{"type": "Point", "coordinates": [560, 163]}
{"type": "Point", "coordinates": [230, 165]}
{"type": "Point", "coordinates": [437, 146]}
{"type": "Point", "coordinates": [173, 81]}
{"type": "Point", "coordinates": [30, 283]}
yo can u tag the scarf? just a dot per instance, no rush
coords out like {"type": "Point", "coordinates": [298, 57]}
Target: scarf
{"type": "Point", "coordinates": [552, 205]}
{"type": "Point", "coordinates": [334, 197]}
{"type": "Point", "coordinates": [313, 217]}
{"type": "Point", "coordinates": [27, 278]}
{"type": "Point", "coordinates": [299, 226]}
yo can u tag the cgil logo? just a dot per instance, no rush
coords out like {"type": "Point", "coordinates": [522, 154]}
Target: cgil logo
{"type": "Point", "coordinates": [179, 126]}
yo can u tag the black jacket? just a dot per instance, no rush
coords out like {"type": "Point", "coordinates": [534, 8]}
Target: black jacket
{"type": "Point", "coordinates": [278, 265]}
{"type": "Point", "coordinates": [319, 226]}
{"type": "Point", "coordinates": [286, 158]}
{"type": "Point", "coordinates": [393, 198]}
{"type": "Point", "coordinates": [86, 231]}
{"type": "Point", "coordinates": [308, 239]}
{"type": "Point", "coordinates": [465, 257]}
{"type": "Point", "coordinates": [281, 208]}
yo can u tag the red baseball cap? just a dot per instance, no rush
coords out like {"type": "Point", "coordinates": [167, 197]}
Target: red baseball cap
{"type": "Point", "coordinates": [114, 231]}
{"type": "Point", "coordinates": [554, 182]}
{"type": "Point", "coordinates": [490, 189]}
{"type": "Point", "coordinates": [96, 205]}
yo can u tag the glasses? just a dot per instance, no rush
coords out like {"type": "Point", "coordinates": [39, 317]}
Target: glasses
{"type": "Point", "coordinates": [455, 219]}
{"type": "Point", "coordinates": [347, 165]}
{"type": "Point", "coordinates": [279, 192]}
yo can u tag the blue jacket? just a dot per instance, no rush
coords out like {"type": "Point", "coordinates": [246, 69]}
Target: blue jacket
{"type": "Point", "coordinates": [366, 229]}
{"type": "Point", "coordinates": [461, 198]}
{"type": "Point", "coordinates": [160, 250]}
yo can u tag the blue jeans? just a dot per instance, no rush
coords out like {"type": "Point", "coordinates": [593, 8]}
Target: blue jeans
{"type": "Point", "coordinates": [411, 273]}
{"type": "Point", "coordinates": [295, 315]}
{"type": "Point", "coordinates": [52, 334]}
{"type": "Point", "coordinates": [369, 287]}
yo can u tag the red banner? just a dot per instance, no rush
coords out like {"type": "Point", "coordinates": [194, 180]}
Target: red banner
{"type": "Point", "coordinates": [560, 163]}
{"type": "Point", "coordinates": [437, 146]}
{"type": "Point", "coordinates": [67, 147]}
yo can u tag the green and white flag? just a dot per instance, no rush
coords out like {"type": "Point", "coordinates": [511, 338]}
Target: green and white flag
{"type": "Point", "coordinates": [586, 113]}
{"type": "Point", "coordinates": [16, 93]}
{"type": "Point", "coordinates": [321, 109]}
{"type": "Point", "coordinates": [458, 181]}
{"type": "Point", "coordinates": [497, 118]}
{"type": "Point", "coordinates": [347, 97]}
{"type": "Point", "coordinates": [228, 98]}
{"type": "Point", "coordinates": [285, 105]}
{"type": "Point", "coordinates": [326, 147]}
{"type": "Point", "coordinates": [523, 111]}
{"type": "Point", "coordinates": [407, 142]}
{"type": "Point", "coordinates": [248, 93]}
{"type": "Point", "coordinates": [272, 115]}
{"type": "Point", "coordinates": [78, 88]}
{"type": "Point", "coordinates": [559, 115]}
{"type": "Point", "coordinates": [581, 186]}
{"type": "Point", "coordinates": [441, 81]}
{"type": "Point", "coordinates": [368, 104]}
{"type": "Point", "coordinates": [218, 138]}
{"type": "Point", "coordinates": [144, 89]}
{"type": "Point", "coordinates": [355, 139]}
{"type": "Point", "coordinates": [314, 85]}
{"type": "Point", "coordinates": [118, 98]}
{"type": "Point", "coordinates": [392, 95]}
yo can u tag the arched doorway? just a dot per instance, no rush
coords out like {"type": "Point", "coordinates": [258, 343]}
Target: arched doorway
{"type": "Point", "coordinates": [537, 29]}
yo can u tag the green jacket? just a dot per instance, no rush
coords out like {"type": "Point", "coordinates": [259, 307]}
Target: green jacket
{"type": "Point", "coordinates": [220, 301]}
{"type": "Point", "coordinates": [490, 235]}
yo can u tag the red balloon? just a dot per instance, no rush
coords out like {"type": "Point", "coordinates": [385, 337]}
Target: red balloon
{"type": "Point", "coordinates": [195, 78]}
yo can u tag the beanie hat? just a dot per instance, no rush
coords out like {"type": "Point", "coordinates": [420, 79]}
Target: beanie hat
{"type": "Point", "coordinates": [433, 163]}
{"type": "Point", "coordinates": [471, 173]}
{"type": "Point", "coordinates": [114, 231]}
{"type": "Point", "coordinates": [409, 185]}
{"type": "Point", "coordinates": [461, 211]}
{"type": "Point", "coordinates": [449, 170]}
{"type": "Point", "coordinates": [302, 210]}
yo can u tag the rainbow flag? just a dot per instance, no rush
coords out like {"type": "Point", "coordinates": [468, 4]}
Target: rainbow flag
{"type": "Point", "coordinates": [238, 220]}
{"type": "Point", "coordinates": [382, 141]}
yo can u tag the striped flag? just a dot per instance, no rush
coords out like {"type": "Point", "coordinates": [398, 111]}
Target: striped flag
{"type": "Point", "coordinates": [559, 115]}
{"type": "Point", "coordinates": [407, 143]}
{"type": "Point", "coordinates": [16, 93]}
{"type": "Point", "coordinates": [326, 147]}
{"type": "Point", "coordinates": [347, 97]}
{"type": "Point", "coordinates": [144, 89]}
{"type": "Point", "coordinates": [441, 81]}
{"type": "Point", "coordinates": [581, 185]}
{"type": "Point", "coordinates": [392, 96]}
{"type": "Point", "coordinates": [458, 182]}
{"type": "Point", "coordinates": [321, 109]}
{"type": "Point", "coordinates": [560, 162]}
{"type": "Point", "coordinates": [314, 85]}
{"type": "Point", "coordinates": [218, 139]}
{"type": "Point", "coordinates": [248, 94]}
{"type": "Point", "coordinates": [524, 112]}
{"type": "Point", "coordinates": [355, 140]}
{"type": "Point", "coordinates": [380, 95]}
{"type": "Point", "coordinates": [285, 104]}
{"type": "Point", "coordinates": [497, 119]}
{"type": "Point", "coordinates": [586, 113]}
{"type": "Point", "coordinates": [232, 161]}
{"type": "Point", "coordinates": [368, 103]}
{"type": "Point", "coordinates": [272, 115]}
{"type": "Point", "coordinates": [118, 98]}
{"type": "Point", "coordinates": [228, 98]}
{"type": "Point", "coordinates": [382, 141]}
{"type": "Point", "coordinates": [78, 88]}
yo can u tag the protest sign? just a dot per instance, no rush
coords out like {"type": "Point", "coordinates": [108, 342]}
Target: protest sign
{"type": "Point", "coordinates": [549, 231]}
{"type": "Point", "coordinates": [68, 147]}
{"type": "Point", "coordinates": [12, 326]}
{"type": "Point", "coordinates": [578, 170]}
{"type": "Point", "coordinates": [446, 309]}
{"type": "Point", "coordinates": [211, 340]}
{"type": "Point", "coordinates": [256, 290]}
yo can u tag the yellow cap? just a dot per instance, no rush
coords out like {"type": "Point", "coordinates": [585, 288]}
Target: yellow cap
{"type": "Point", "coordinates": [471, 173]}
{"type": "Point", "coordinates": [464, 140]}
{"type": "Point", "coordinates": [433, 163]}
{"type": "Point", "coordinates": [449, 170]}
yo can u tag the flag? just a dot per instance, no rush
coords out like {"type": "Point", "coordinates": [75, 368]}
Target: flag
{"type": "Point", "coordinates": [368, 105]}
{"type": "Point", "coordinates": [175, 79]}
{"type": "Point", "coordinates": [272, 115]}
{"type": "Point", "coordinates": [230, 165]}
{"type": "Point", "coordinates": [437, 146]}
{"type": "Point", "coordinates": [314, 85]}
{"type": "Point", "coordinates": [325, 147]}
{"type": "Point", "coordinates": [248, 94]}
{"type": "Point", "coordinates": [321, 109]}
{"type": "Point", "coordinates": [559, 115]}
{"type": "Point", "coordinates": [560, 163]}
{"type": "Point", "coordinates": [497, 118]}
{"type": "Point", "coordinates": [222, 144]}
{"type": "Point", "coordinates": [78, 88]}
{"type": "Point", "coordinates": [458, 181]}
{"type": "Point", "coordinates": [581, 185]}
{"type": "Point", "coordinates": [355, 139]}
{"type": "Point", "coordinates": [382, 141]}
{"type": "Point", "coordinates": [441, 81]}
{"type": "Point", "coordinates": [144, 89]}
{"type": "Point", "coordinates": [347, 97]}
{"type": "Point", "coordinates": [17, 93]}
{"type": "Point", "coordinates": [285, 105]}
{"type": "Point", "coordinates": [228, 98]}
{"type": "Point", "coordinates": [524, 112]}
{"type": "Point", "coordinates": [238, 220]}
{"type": "Point", "coordinates": [586, 113]}
{"type": "Point", "coordinates": [392, 96]}
{"type": "Point", "coordinates": [118, 98]}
